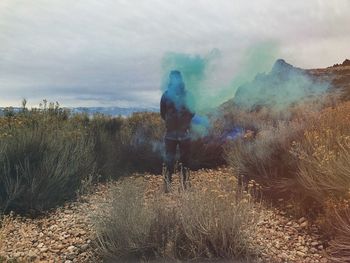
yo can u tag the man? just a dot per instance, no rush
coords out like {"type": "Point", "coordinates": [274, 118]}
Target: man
{"type": "Point", "coordinates": [176, 109]}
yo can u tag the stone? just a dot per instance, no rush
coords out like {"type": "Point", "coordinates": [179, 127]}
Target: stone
{"type": "Point", "coordinates": [84, 247]}
{"type": "Point", "coordinates": [301, 254]}
{"type": "Point", "coordinates": [301, 220]}
{"type": "Point", "coordinates": [283, 255]}
{"type": "Point", "coordinates": [44, 249]}
{"type": "Point", "coordinates": [32, 255]}
{"type": "Point", "coordinates": [71, 248]}
{"type": "Point", "coordinates": [71, 256]}
{"type": "Point", "coordinates": [304, 224]}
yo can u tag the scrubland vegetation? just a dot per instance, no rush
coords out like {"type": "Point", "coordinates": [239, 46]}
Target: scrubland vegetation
{"type": "Point", "coordinates": [49, 156]}
{"type": "Point", "coordinates": [303, 157]}
{"type": "Point", "coordinates": [210, 223]}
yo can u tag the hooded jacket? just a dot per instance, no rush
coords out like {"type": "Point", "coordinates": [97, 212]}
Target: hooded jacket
{"type": "Point", "coordinates": [175, 111]}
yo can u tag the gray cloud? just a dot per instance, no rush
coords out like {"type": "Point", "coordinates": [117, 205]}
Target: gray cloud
{"type": "Point", "coordinates": [108, 52]}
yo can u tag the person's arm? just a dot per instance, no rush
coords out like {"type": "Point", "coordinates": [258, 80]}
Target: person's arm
{"type": "Point", "coordinates": [163, 107]}
{"type": "Point", "coordinates": [190, 104]}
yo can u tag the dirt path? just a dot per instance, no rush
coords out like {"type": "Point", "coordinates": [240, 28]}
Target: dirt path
{"type": "Point", "coordinates": [66, 234]}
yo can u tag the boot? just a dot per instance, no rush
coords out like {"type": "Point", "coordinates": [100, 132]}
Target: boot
{"type": "Point", "coordinates": [167, 176]}
{"type": "Point", "coordinates": [184, 177]}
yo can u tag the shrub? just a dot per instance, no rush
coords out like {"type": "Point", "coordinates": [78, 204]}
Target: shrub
{"type": "Point", "coordinates": [123, 227]}
{"type": "Point", "coordinates": [266, 158]}
{"type": "Point", "coordinates": [44, 157]}
{"type": "Point", "coordinates": [340, 222]}
{"type": "Point", "coordinates": [266, 155]}
{"type": "Point", "coordinates": [39, 170]}
{"type": "Point", "coordinates": [324, 154]}
{"type": "Point", "coordinates": [200, 225]}
{"type": "Point", "coordinates": [141, 142]}
{"type": "Point", "coordinates": [105, 132]}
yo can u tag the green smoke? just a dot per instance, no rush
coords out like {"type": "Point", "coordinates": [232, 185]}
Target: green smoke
{"type": "Point", "coordinates": [199, 73]}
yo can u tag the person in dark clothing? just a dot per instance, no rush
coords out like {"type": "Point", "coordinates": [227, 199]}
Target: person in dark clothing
{"type": "Point", "coordinates": [175, 110]}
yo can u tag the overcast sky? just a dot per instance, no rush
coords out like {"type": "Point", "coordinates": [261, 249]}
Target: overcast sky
{"type": "Point", "coordinates": [108, 52]}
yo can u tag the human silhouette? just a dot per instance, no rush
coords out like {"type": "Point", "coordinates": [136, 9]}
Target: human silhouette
{"type": "Point", "coordinates": [176, 110]}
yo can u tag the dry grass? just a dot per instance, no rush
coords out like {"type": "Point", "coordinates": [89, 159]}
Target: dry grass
{"type": "Point", "coordinates": [324, 154]}
{"type": "Point", "coordinates": [198, 225]}
{"type": "Point", "coordinates": [279, 136]}
{"type": "Point", "coordinates": [336, 221]}
{"type": "Point", "coordinates": [266, 158]}
{"type": "Point", "coordinates": [304, 156]}
{"type": "Point", "coordinates": [324, 173]}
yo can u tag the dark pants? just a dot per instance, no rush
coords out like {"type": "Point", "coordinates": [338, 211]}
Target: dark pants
{"type": "Point", "coordinates": [170, 151]}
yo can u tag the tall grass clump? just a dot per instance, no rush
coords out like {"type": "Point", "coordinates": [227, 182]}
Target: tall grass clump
{"type": "Point", "coordinates": [265, 156]}
{"type": "Point", "coordinates": [43, 159]}
{"type": "Point", "coordinates": [199, 226]}
{"type": "Point", "coordinates": [323, 155]}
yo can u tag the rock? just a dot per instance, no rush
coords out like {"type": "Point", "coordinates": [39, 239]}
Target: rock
{"type": "Point", "coordinates": [313, 250]}
{"type": "Point", "coordinates": [304, 224]}
{"type": "Point", "coordinates": [314, 243]}
{"type": "Point", "coordinates": [71, 248]}
{"type": "Point", "coordinates": [301, 220]}
{"type": "Point", "coordinates": [71, 256]}
{"type": "Point", "coordinates": [283, 255]}
{"type": "Point", "coordinates": [84, 247]}
{"type": "Point", "coordinates": [44, 249]}
{"type": "Point", "coordinates": [32, 255]}
{"type": "Point", "coordinates": [40, 245]}
{"type": "Point", "coordinates": [300, 254]}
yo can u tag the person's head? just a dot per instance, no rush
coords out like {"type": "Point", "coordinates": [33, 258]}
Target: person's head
{"type": "Point", "coordinates": [176, 83]}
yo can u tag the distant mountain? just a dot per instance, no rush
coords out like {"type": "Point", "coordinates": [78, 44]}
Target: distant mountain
{"type": "Point", "coordinates": [111, 111]}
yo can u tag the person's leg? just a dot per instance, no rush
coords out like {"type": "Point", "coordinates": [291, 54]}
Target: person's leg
{"type": "Point", "coordinates": [170, 153]}
{"type": "Point", "coordinates": [185, 151]}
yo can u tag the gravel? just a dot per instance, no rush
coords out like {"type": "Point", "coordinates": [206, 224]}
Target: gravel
{"type": "Point", "coordinates": [66, 233]}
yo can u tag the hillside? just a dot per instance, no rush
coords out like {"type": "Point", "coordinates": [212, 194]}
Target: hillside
{"type": "Point", "coordinates": [338, 75]}
{"type": "Point", "coordinates": [286, 85]}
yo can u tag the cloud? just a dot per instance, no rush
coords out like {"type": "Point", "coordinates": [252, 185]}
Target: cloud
{"type": "Point", "coordinates": [109, 52]}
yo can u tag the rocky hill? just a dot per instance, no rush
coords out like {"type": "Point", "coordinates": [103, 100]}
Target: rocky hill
{"type": "Point", "coordinates": [338, 75]}
{"type": "Point", "coordinates": [286, 84]}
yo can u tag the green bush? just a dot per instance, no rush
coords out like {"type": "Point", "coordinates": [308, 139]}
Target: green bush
{"type": "Point", "coordinates": [40, 169]}
{"type": "Point", "coordinates": [44, 158]}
